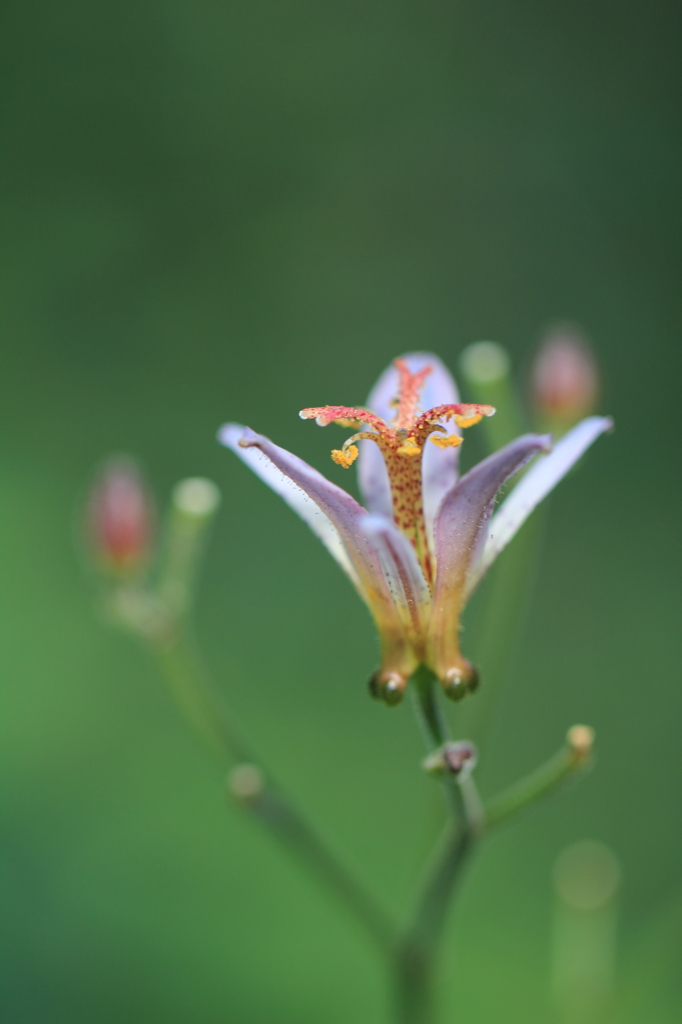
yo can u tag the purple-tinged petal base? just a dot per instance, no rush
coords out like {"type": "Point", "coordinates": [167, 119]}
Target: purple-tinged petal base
{"type": "Point", "coordinates": [463, 514]}
{"type": "Point", "coordinates": [337, 520]}
{"type": "Point", "coordinates": [404, 576]}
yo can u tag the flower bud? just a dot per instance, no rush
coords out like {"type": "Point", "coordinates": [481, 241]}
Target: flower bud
{"type": "Point", "coordinates": [580, 739]}
{"type": "Point", "coordinates": [565, 376]}
{"type": "Point", "coordinates": [584, 941]}
{"type": "Point", "coordinates": [196, 497]}
{"type": "Point", "coordinates": [119, 517]}
{"type": "Point", "coordinates": [487, 375]}
{"type": "Point", "coordinates": [587, 875]}
{"type": "Point", "coordinates": [246, 783]}
{"type": "Point", "coordinates": [485, 362]}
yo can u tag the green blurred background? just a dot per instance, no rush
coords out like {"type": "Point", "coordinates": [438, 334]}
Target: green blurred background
{"type": "Point", "coordinates": [232, 210]}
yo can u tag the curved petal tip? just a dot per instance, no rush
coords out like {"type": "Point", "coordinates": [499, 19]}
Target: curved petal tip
{"type": "Point", "coordinates": [230, 434]}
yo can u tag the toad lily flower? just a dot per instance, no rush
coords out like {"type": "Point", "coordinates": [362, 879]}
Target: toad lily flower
{"type": "Point", "coordinates": [426, 538]}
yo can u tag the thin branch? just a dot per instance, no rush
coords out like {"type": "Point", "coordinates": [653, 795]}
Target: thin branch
{"type": "Point", "coordinates": [572, 759]}
{"type": "Point", "coordinates": [255, 789]}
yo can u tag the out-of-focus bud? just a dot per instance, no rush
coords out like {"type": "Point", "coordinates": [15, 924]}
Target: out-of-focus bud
{"type": "Point", "coordinates": [580, 741]}
{"type": "Point", "coordinates": [565, 377]}
{"type": "Point", "coordinates": [196, 497]}
{"type": "Point", "coordinates": [586, 880]}
{"type": "Point", "coordinates": [485, 362]}
{"type": "Point", "coordinates": [486, 374]}
{"type": "Point", "coordinates": [194, 503]}
{"type": "Point", "coordinates": [246, 783]}
{"type": "Point", "coordinates": [119, 518]}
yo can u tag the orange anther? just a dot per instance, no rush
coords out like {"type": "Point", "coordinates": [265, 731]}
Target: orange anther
{"type": "Point", "coordinates": [347, 458]}
{"type": "Point", "coordinates": [449, 441]}
{"type": "Point", "coordinates": [468, 421]}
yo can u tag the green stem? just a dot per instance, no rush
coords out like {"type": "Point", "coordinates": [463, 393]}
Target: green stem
{"type": "Point", "coordinates": [416, 955]}
{"type": "Point", "coordinates": [429, 711]}
{"type": "Point", "coordinates": [199, 702]}
{"type": "Point", "coordinates": [435, 729]}
{"type": "Point", "coordinates": [278, 815]}
{"type": "Point", "coordinates": [573, 758]}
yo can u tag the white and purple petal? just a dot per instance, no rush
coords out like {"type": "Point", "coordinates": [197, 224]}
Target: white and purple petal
{"type": "Point", "coordinates": [296, 498]}
{"type": "Point", "coordinates": [463, 514]}
{"type": "Point", "coordinates": [337, 520]}
{"type": "Point", "coordinates": [532, 488]}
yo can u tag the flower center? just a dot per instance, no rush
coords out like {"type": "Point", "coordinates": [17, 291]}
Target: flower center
{"type": "Point", "coordinates": [402, 443]}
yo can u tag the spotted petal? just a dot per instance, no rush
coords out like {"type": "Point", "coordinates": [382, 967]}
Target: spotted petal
{"type": "Point", "coordinates": [439, 464]}
{"type": "Point", "coordinates": [464, 512]}
{"type": "Point", "coordinates": [533, 487]}
{"type": "Point", "coordinates": [336, 518]}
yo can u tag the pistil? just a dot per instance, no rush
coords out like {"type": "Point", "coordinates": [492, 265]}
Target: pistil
{"type": "Point", "coordinates": [402, 445]}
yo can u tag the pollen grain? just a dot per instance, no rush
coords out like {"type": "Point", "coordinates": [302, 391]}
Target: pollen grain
{"type": "Point", "coordinates": [447, 441]}
{"type": "Point", "coordinates": [347, 458]}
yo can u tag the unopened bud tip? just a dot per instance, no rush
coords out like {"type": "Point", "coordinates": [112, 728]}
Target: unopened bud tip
{"type": "Point", "coordinates": [484, 362]}
{"type": "Point", "coordinates": [246, 782]}
{"type": "Point", "coordinates": [196, 496]}
{"type": "Point", "coordinates": [587, 875]}
{"type": "Point", "coordinates": [119, 516]}
{"type": "Point", "coordinates": [565, 375]}
{"type": "Point", "coordinates": [581, 739]}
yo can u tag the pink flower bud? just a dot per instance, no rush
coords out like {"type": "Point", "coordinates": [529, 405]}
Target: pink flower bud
{"type": "Point", "coordinates": [565, 376]}
{"type": "Point", "coordinates": [119, 516]}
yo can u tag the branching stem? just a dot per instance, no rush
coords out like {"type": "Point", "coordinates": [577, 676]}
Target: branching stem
{"type": "Point", "coordinates": [416, 956]}
{"type": "Point", "coordinates": [199, 702]}
{"type": "Point", "coordinates": [571, 760]}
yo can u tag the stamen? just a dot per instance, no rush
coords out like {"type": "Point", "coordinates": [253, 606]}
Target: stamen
{"type": "Point", "coordinates": [401, 443]}
{"type": "Point", "coordinates": [462, 414]}
{"type": "Point", "coordinates": [345, 458]}
{"type": "Point", "coordinates": [468, 421]}
{"type": "Point", "coordinates": [326, 414]}
{"type": "Point", "coordinates": [448, 441]}
{"type": "Point", "coordinates": [409, 447]}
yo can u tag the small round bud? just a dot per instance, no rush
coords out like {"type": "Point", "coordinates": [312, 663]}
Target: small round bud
{"type": "Point", "coordinates": [565, 377]}
{"type": "Point", "coordinates": [454, 687]}
{"type": "Point", "coordinates": [119, 517]}
{"type": "Point", "coordinates": [484, 362]}
{"type": "Point", "coordinates": [196, 496]}
{"type": "Point", "coordinates": [245, 782]}
{"type": "Point", "coordinates": [389, 687]}
{"type": "Point", "coordinates": [460, 681]}
{"type": "Point", "coordinates": [580, 739]}
{"type": "Point", "coordinates": [393, 692]}
{"type": "Point", "coordinates": [586, 875]}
